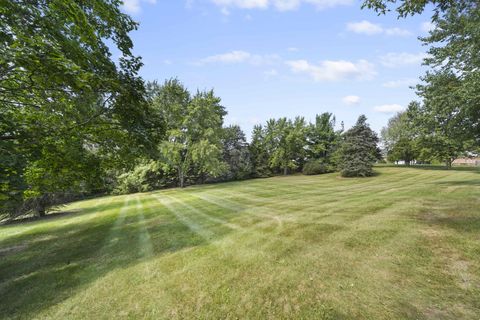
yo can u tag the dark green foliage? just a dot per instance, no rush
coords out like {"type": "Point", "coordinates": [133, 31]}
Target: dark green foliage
{"type": "Point", "coordinates": [283, 145]}
{"type": "Point", "coordinates": [259, 153]}
{"type": "Point", "coordinates": [60, 90]}
{"type": "Point", "coordinates": [411, 7]}
{"type": "Point", "coordinates": [316, 167]}
{"type": "Point", "coordinates": [236, 154]}
{"type": "Point", "coordinates": [403, 150]}
{"type": "Point", "coordinates": [359, 150]}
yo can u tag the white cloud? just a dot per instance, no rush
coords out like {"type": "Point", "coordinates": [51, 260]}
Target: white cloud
{"type": "Point", "coordinates": [427, 26]}
{"type": "Point", "coordinates": [286, 5]}
{"type": "Point", "coordinates": [292, 49]}
{"type": "Point", "coordinates": [334, 70]}
{"type": "Point", "coordinates": [351, 100]}
{"type": "Point", "coordinates": [270, 73]}
{"type": "Point", "coordinates": [400, 83]}
{"type": "Point", "coordinates": [243, 4]}
{"type": "Point", "coordinates": [135, 6]}
{"type": "Point", "coordinates": [397, 32]}
{"type": "Point", "coordinates": [280, 5]}
{"type": "Point", "coordinates": [397, 59]}
{"type": "Point", "coordinates": [131, 6]}
{"type": "Point", "coordinates": [238, 56]}
{"type": "Point", "coordinates": [369, 28]}
{"type": "Point", "coordinates": [326, 70]}
{"type": "Point", "coordinates": [230, 57]}
{"type": "Point", "coordinates": [225, 12]}
{"type": "Point", "coordinates": [364, 27]}
{"type": "Point", "coordinates": [389, 108]}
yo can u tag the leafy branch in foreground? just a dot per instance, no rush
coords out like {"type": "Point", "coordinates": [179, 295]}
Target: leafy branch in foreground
{"type": "Point", "coordinates": [59, 88]}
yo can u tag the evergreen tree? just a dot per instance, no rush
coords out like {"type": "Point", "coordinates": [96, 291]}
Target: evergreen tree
{"type": "Point", "coordinates": [359, 150]}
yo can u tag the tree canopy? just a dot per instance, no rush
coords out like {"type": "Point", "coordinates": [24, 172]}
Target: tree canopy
{"type": "Point", "coordinates": [193, 130]}
{"type": "Point", "coordinates": [448, 117]}
{"type": "Point", "coordinates": [62, 94]}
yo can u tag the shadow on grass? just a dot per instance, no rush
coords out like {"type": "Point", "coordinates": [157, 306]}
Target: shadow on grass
{"type": "Point", "coordinates": [472, 182]}
{"type": "Point", "coordinates": [46, 266]}
{"type": "Point", "coordinates": [431, 167]}
{"type": "Point", "coordinates": [49, 216]}
{"type": "Point", "coordinates": [462, 224]}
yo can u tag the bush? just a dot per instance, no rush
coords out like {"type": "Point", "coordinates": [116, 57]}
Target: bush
{"type": "Point", "coordinates": [315, 167]}
{"type": "Point", "coordinates": [146, 176]}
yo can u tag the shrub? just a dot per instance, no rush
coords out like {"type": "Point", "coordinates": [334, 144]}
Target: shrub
{"type": "Point", "coordinates": [146, 176]}
{"type": "Point", "coordinates": [315, 167]}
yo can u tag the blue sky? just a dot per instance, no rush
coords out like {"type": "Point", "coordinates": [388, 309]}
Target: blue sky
{"type": "Point", "coordinates": [273, 58]}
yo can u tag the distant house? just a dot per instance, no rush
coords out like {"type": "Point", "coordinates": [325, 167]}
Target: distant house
{"type": "Point", "coordinates": [467, 161]}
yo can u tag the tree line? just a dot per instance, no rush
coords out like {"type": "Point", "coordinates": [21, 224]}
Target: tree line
{"type": "Point", "coordinates": [75, 122]}
{"type": "Point", "coordinates": [197, 147]}
{"type": "Point", "coordinates": [184, 142]}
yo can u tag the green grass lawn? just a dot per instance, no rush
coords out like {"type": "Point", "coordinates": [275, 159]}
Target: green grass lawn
{"type": "Point", "coordinates": [402, 244]}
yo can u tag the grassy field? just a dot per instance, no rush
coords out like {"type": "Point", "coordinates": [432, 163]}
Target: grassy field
{"type": "Point", "coordinates": [402, 244]}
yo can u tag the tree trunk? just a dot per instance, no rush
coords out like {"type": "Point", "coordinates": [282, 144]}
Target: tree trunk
{"type": "Point", "coordinates": [181, 178]}
{"type": "Point", "coordinates": [448, 163]}
{"type": "Point", "coordinates": [285, 170]}
{"type": "Point", "coordinates": [40, 212]}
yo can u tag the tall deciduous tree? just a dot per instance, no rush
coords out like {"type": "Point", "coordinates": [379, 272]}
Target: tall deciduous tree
{"type": "Point", "coordinates": [58, 81]}
{"type": "Point", "coordinates": [193, 133]}
{"type": "Point", "coordinates": [398, 138]}
{"type": "Point", "coordinates": [287, 140]}
{"type": "Point", "coordinates": [452, 85]}
{"type": "Point", "coordinates": [322, 137]}
{"type": "Point", "coordinates": [359, 150]}
{"type": "Point", "coordinates": [441, 135]}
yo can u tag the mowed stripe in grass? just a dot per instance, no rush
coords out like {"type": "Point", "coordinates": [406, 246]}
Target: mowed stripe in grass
{"type": "Point", "coordinates": [402, 244]}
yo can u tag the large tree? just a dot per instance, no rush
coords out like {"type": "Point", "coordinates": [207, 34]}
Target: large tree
{"type": "Point", "coordinates": [322, 138]}
{"type": "Point", "coordinates": [194, 125]}
{"type": "Point", "coordinates": [440, 134]}
{"type": "Point", "coordinates": [236, 153]}
{"type": "Point", "coordinates": [288, 140]}
{"type": "Point", "coordinates": [452, 84]}
{"type": "Point", "coordinates": [58, 82]}
{"type": "Point", "coordinates": [398, 138]}
{"type": "Point", "coordinates": [359, 150]}
{"type": "Point", "coordinates": [259, 152]}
